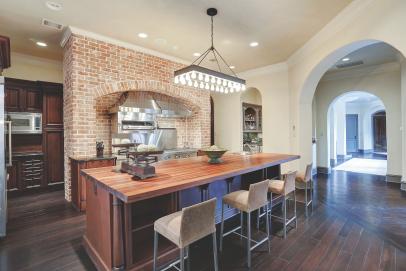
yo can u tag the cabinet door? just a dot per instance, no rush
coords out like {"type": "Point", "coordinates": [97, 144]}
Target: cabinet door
{"type": "Point", "coordinates": [54, 156]}
{"type": "Point", "coordinates": [33, 100]}
{"type": "Point", "coordinates": [12, 98]}
{"type": "Point", "coordinates": [12, 171]}
{"type": "Point", "coordinates": [53, 110]}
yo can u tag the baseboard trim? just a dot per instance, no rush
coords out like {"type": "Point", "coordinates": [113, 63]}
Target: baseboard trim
{"type": "Point", "coordinates": [343, 156]}
{"type": "Point", "coordinates": [323, 170]}
{"type": "Point", "coordinates": [365, 151]}
{"type": "Point", "coordinates": [393, 178]}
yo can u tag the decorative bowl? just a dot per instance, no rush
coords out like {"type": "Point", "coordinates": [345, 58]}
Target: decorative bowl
{"type": "Point", "coordinates": [214, 154]}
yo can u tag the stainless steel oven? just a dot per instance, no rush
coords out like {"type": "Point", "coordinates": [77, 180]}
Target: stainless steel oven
{"type": "Point", "coordinates": [25, 122]}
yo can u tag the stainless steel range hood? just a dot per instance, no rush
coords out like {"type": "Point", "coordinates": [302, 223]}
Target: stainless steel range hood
{"type": "Point", "coordinates": [150, 103]}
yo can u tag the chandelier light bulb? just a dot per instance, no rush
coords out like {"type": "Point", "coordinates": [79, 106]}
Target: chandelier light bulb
{"type": "Point", "coordinates": [200, 76]}
{"type": "Point", "coordinates": [193, 75]}
{"type": "Point", "coordinates": [195, 84]}
{"type": "Point", "coordinates": [201, 85]}
{"type": "Point", "coordinates": [231, 90]}
{"type": "Point", "coordinates": [224, 83]}
{"type": "Point", "coordinates": [189, 83]}
{"type": "Point", "coordinates": [217, 88]}
{"type": "Point", "coordinates": [213, 80]}
{"type": "Point", "coordinates": [221, 89]}
{"type": "Point", "coordinates": [207, 86]}
{"type": "Point", "coordinates": [226, 90]}
{"type": "Point", "coordinates": [212, 87]}
{"type": "Point", "coordinates": [187, 77]}
{"type": "Point", "coordinates": [206, 78]}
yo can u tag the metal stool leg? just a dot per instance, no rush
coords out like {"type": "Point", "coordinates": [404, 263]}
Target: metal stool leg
{"type": "Point", "coordinates": [182, 259]}
{"type": "Point", "coordinates": [241, 222]}
{"type": "Point", "coordinates": [307, 214]}
{"type": "Point", "coordinates": [295, 208]}
{"type": "Point", "coordinates": [214, 252]}
{"type": "Point", "coordinates": [249, 240]}
{"type": "Point", "coordinates": [311, 191]}
{"type": "Point", "coordinates": [155, 250]}
{"type": "Point", "coordinates": [284, 216]}
{"type": "Point", "coordinates": [267, 228]}
{"type": "Point", "coordinates": [222, 227]}
{"type": "Point", "coordinates": [259, 213]}
{"type": "Point", "coordinates": [270, 213]}
{"type": "Point", "coordinates": [187, 259]}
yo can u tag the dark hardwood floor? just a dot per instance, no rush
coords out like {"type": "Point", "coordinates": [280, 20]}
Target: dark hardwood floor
{"type": "Point", "coordinates": [359, 223]}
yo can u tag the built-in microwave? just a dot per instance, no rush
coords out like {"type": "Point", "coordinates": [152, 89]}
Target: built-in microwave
{"type": "Point", "coordinates": [25, 122]}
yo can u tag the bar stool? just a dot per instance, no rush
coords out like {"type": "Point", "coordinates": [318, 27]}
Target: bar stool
{"type": "Point", "coordinates": [185, 227]}
{"type": "Point", "coordinates": [247, 201]}
{"type": "Point", "coordinates": [282, 188]}
{"type": "Point", "coordinates": [307, 180]}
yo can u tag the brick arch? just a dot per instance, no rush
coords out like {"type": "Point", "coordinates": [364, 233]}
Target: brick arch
{"type": "Point", "coordinates": [147, 85]}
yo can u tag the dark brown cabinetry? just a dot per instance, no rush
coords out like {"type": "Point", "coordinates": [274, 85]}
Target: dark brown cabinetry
{"type": "Point", "coordinates": [22, 96]}
{"type": "Point", "coordinates": [38, 160]}
{"type": "Point", "coordinates": [52, 130]}
{"type": "Point", "coordinates": [27, 171]}
{"type": "Point", "coordinates": [78, 184]}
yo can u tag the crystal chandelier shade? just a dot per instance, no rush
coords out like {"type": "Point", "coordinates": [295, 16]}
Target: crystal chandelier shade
{"type": "Point", "coordinates": [206, 79]}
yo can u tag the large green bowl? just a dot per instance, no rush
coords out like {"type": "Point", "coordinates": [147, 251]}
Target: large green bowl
{"type": "Point", "coordinates": [214, 155]}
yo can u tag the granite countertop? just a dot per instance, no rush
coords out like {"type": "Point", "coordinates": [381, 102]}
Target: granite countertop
{"type": "Point", "coordinates": [92, 158]}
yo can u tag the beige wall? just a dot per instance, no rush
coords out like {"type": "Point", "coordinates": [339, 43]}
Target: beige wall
{"type": "Point", "coordinates": [382, 81]}
{"type": "Point", "coordinates": [34, 68]}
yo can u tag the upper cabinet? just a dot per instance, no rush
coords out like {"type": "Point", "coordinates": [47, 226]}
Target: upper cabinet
{"type": "Point", "coordinates": [53, 104]}
{"type": "Point", "coordinates": [252, 117]}
{"type": "Point", "coordinates": [22, 96]}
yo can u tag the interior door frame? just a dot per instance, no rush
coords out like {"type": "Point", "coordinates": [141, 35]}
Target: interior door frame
{"type": "Point", "coordinates": [373, 115]}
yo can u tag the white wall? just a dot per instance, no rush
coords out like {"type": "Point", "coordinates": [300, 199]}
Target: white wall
{"type": "Point", "coordinates": [34, 68]}
{"type": "Point", "coordinates": [403, 101]}
{"type": "Point", "coordinates": [382, 81]}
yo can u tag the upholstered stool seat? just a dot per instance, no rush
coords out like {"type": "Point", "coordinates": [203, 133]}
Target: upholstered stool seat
{"type": "Point", "coordinates": [247, 201]}
{"type": "Point", "coordinates": [276, 186]}
{"type": "Point", "coordinates": [237, 199]}
{"type": "Point", "coordinates": [187, 226]}
{"type": "Point", "coordinates": [304, 180]}
{"type": "Point", "coordinates": [283, 188]}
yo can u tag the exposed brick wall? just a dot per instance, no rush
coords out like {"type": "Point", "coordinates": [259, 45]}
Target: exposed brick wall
{"type": "Point", "coordinates": [95, 75]}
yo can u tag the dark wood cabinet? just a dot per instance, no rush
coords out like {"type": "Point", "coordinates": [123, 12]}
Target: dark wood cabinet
{"type": "Point", "coordinates": [40, 159]}
{"type": "Point", "coordinates": [78, 183]}
{"type": "Point", "coordinates": [22, 96]}
{"type": "Point", "coordinates": [27, 171]}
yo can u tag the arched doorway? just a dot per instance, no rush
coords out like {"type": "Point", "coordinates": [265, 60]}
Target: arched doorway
{"type": "Point", "coordinates": [251, 101]}
{"type": "Point", "coordinates": [306, 132]}
{"type": "Point", "coordinates": [350, 133]}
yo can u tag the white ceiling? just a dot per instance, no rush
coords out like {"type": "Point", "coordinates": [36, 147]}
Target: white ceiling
{"type": "Point", "coordinates": [358, 97]}
{"type": "Point", "coordinates": [374, 54]}
{"type": "Point", "coordinates": [176, 27]}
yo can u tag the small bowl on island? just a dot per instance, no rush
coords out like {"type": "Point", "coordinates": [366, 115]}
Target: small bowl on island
{"type": "Point", "coordinates": [214, 153]}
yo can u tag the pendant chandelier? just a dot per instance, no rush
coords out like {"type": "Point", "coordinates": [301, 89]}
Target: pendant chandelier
{"type": "Point", "coordinates": [203, 78]}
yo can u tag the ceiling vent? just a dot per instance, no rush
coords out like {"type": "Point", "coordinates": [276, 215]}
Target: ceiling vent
{"type": "Point", "coordinates": [350, 64]}
{"type": "Point", "coordinates": [51, 24]}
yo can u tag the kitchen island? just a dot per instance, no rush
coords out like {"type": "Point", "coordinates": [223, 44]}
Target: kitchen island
{"type": "Point", "coordinates": [121, 211]}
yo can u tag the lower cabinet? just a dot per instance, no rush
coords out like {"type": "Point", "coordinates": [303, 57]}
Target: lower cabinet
{"type": "Point", "coordinates": [54, 154]}
{"type": "Point", "coordinates": [78, 185]}
{"type": "Point", "coordinates": [26, 172]}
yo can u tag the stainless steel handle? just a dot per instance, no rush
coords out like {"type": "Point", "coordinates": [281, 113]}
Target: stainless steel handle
{"type": "Point", "coordinates": [10, 151]}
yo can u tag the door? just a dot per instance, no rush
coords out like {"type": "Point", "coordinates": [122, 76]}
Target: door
{"type": "Point", "coordinates": [379, 131]}
{"type": "Point", "coordinates": [352, 132]}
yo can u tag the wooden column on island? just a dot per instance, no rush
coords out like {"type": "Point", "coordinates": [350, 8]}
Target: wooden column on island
{"type": "Point", "coordinates": [121, 211]}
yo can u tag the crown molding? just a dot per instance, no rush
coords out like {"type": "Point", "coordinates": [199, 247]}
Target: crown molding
{"type": "Point", "coordinates": [339, 22]}
{"type": "Point", "coordinates": [278, 67]}
{"type": "Point", "coordinates": [71, 30]}
{"type": "Point", "coordinates": [361, 71]}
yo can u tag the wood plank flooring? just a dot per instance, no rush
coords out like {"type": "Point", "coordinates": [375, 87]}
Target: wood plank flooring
{"type": "Point", "coordinates": [345, 232]}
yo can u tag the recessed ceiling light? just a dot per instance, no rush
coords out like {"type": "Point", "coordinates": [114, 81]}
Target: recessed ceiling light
{"type": "Point", "coordinates": [346, 59]}
{"type": "Point", "coordinates": [232, 67]}
{"type": "Point", "coordinates": [254, 44]}
{"type": "Point", "coordinates": [196, 54]}
{"type": "Point", "coordinates": [41, 43]}
{"type": "Point", "coordinates": [143, 35]}
{"type": "Point", "coordinates": [53, 5]}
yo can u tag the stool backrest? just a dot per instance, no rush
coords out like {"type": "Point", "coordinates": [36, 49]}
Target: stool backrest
{"type": "Point", "coordinates": [258, 195]}
{"type": "Point", "coordinates": [197, 221]}
{"type": "Point", "coordinates": [289, 185]}
{"type": "Point", "coordinates": [308, 173]}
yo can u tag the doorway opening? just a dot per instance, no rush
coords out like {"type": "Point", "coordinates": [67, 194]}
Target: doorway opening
{"type": "Point", "coordinates": [356, 128]}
